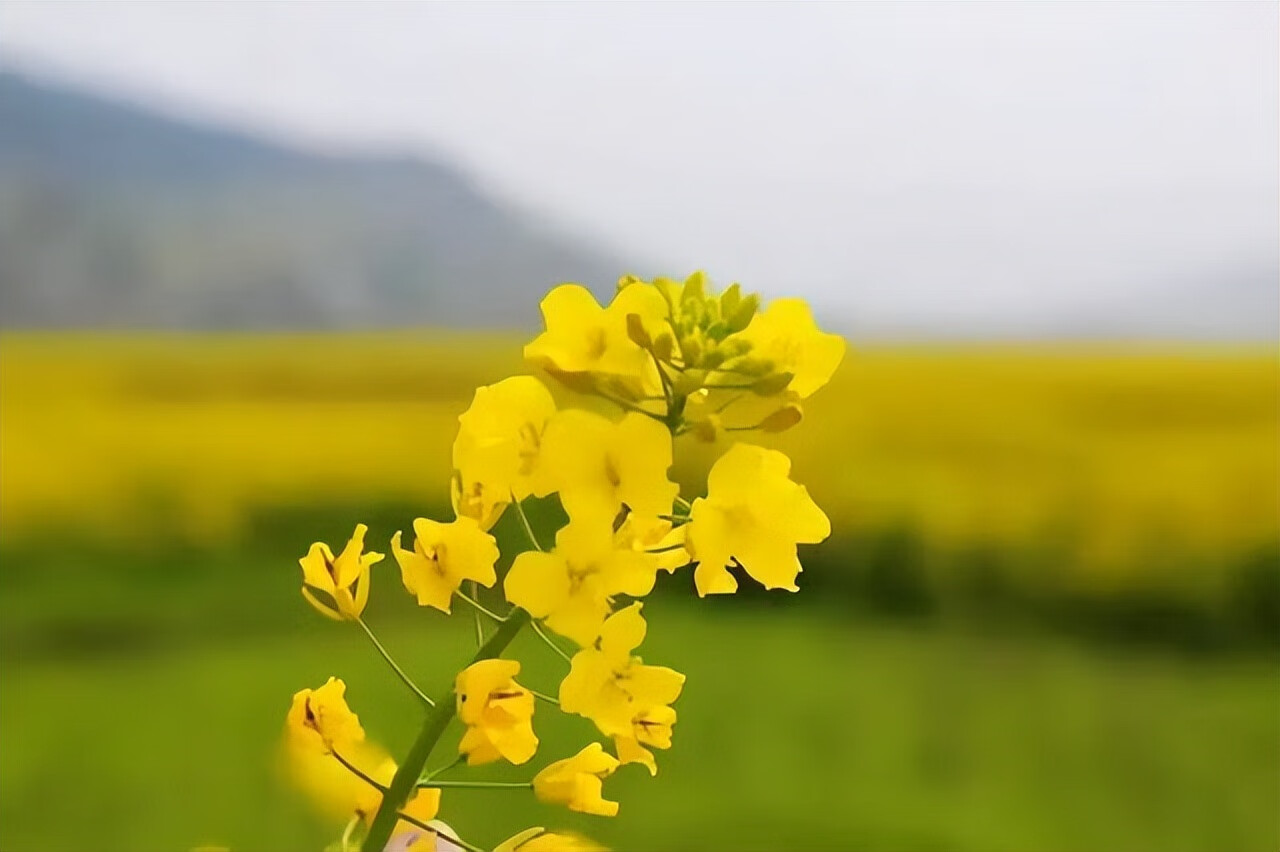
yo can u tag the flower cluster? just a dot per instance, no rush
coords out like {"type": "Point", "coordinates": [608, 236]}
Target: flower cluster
{"type": "Point", "coordinates": [678, 360]}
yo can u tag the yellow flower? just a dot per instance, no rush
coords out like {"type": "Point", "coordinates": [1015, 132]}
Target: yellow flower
{"type": "Point", "coordinates": [755, 515]}
{"type": "Point", "coordinates": [650, 727]}
{"type": "Point", "coordinates": [582, 337]}
{"type": "Point", "coordinates": [786, 335]}
{"type": "Point", "coordinates": [541, 840]}
{"type": "Point", "coordinates": [496, 451]}
{"type": "Point", "coordinates": [624, 697]}
{"type": "Point", "coordinates": [443, 556]}
{"type": "Point", "coordinates": [572, 586]}
{"type": "Point", "coordinates": [661, 543]}
{"type": "Point", "coordinates": [319, 720]}
{"type": "Point", "coordinates": [578, 782]}
{"type": "Point", "coordinates": [320, 728]}
{"type": "Point", "coordinates": [599, 466]}
{"type": "Point", "coordinates": [497, 711]}
{"type": "Point", "coordinates": [345, 579]}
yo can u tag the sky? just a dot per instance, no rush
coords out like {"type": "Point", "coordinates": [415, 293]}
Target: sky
{"type": "Point", "coordinates": [981, 168]}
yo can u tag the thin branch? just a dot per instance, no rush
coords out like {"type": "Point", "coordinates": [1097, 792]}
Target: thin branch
{"type": "Point", "coordinates": [537, 628]}
{"type": "Point", "coordinates": [524, 519]}
{"type": "Point", "coordinates": [438, 833]}
{"type": "Point", "coordinates": [476, 785]}
{"type": "Point", "coordinates": [422, 696]}
{"type": "Point", "coordinates": [479, 607]}
{"type": "Point", "coordinates": [357, 771]}
{"type": "Point", "coordinates": [544, 697]}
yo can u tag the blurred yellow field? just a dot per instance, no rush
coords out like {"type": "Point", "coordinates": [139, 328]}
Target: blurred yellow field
{"type": "Point", "coordinates": [1129, 453]}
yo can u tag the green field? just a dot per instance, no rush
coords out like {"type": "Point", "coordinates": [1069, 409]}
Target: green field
{"type": "Point", "coordinates": [798, 730]}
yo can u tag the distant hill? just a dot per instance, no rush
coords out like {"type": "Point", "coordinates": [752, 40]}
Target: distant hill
{"type": "Point", "coordinates": [114, 216]}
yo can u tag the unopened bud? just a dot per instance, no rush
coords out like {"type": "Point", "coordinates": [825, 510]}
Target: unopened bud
{"type": "Point", "coordinates": [741, 316]}
{"type": "Point", "coordinates": [689, 381]}
{"type": "Point", "coordinates": [627, 280]}
{"type": "Point", "coordinates": [707, 430]}
{"type": "Point", "coordinates": [772, 383]}
{"type": "Point", "coordinates": [695, 287]}
{"type": "Point", "coordinates": [782, 419]}
{"type": "Point", "coordinates": [730, 299]}
{"type": "Point", "coordinates": [637, 332]}
{"type": "Point", "coordinates": [734, 347]}
{"type": "Point", "coordinates": [757, 367]}
{"type": "Point", "coordinates": [663, 346]}
{"type": "Point", "coordinates": [712, 358]}
{"type": "Point", "coordinates": [690, 350]}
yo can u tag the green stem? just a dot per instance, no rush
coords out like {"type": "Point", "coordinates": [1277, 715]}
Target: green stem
{"type": "Point", "coordinates": [537, 628]}
{"type": "Point", "coordinates": [475, 612]}
{"type": "Point", "coordinates": [528, 527]}
{"type": "Point", "coordinates": [356, 771]}
{"type": "Point", "coordinates": [627, 406]}
{"type": "Point", "coordinates": [432, 729]}
{"type": "Point", "coordinates": [544, 697]}
{"type": "Point", "coordinates": [422, 696]}
{"type": "Point", "coordinates": [477, 785]}
{"type": "Point", "coordinates": [479, 608]}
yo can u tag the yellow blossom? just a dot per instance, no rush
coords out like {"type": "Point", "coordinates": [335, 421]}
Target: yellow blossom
{"type": "Point", "coordinates": [324, 741]}
{"type": "Point", "coordinates": [344, 579]}
{"type": "Point", "coordinates": [656, 538]}
{"type": "Point", "coordinates": [578, 782]}
{"type": "Point", "coordinates": [785, 334]}
{"type": "Point", "coordinates": [626, 699]}
{"type": "Point", "coordinates": [583, 337]}
{"type": "Point", "coordinates": [496, 451]}
{"type": "Point", "coordinates": [600, 465]}
{"type": "Point", "coordinates": [319, 720]}
{"type": "Point", "coordinates": [443, 556]}
{"type": "Point", "coordinates": [572, 586]}
{"type": "Point", "coordinates": [755, 515]}
{"type": "Point", "coordinates": [497, 711]}
{"type": "Point", "coordinates": [541, 840]}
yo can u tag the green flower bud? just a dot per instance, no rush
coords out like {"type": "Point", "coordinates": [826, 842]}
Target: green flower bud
{"type": "Point", "coordinates": [742, 315]}
{"type": "Point", "coordinates": [772, 384]}
{"type": "Point", "coordinates": [689, 381]}
{"type": "Point", "coordinates": [730, 299]}
{"type": "Point", "coordinates": [690, 350]}
{"type": "Point", "coordinates": [734, 347]}
{"type": "Point", "coordinates": [663, 345]}
{"type": "Point", "coordinates": [695, 287]}
{"type": "Point", "coordinates": [757, 367]}
{"type": "Point", "coordinates": [637, 332]}
{"type": "Point", "coordinates": [782, 419]}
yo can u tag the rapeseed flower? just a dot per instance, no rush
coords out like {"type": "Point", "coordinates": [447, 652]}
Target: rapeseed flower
{"type": "Point", "coordinates": [497, 711]}
{"type": "Point", "coordinates": [625, 698]}
{"type": "Point", "coordinates": [599, 465]}
{"type": "Point", "coordinates": [343, 579]}
{"type": "Point", "coordinates": [578, 782]}
{"type": "Point", "coordinates": [753, 515]}
{"type": "Point", "coordinates": [572, 587]}
{"type": "Point", "coordinates": [582, 337]}
{"type": "Point", "coordinates": [443, 556]}
{"type": "Point", "coordinates": [785, 335]}
{"type": "Point", "coordinates": [496, 452]}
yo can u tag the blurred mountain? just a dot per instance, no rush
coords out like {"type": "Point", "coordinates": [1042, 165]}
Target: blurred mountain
{"type": "Point", "coordinates": [114, 216]}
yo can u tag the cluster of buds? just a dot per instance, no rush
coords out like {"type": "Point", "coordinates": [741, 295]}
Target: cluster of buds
{"type": "Point", "coordinates": [678, 360]}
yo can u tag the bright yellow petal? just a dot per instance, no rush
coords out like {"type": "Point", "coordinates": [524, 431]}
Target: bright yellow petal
{"type": "Point", "coordinates": [630, 751]}
{"type": "Point", "coordinates": [537, 582]}
{"type": "Point", "coordinates": [622, 633]}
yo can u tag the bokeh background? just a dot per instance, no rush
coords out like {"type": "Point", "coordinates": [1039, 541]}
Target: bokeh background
{"type": "Point", "coordinates": [254, 259]}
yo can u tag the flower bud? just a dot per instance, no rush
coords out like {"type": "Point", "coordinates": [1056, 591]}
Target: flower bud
{"type": "Point", "coordinates": [708, 429]}
{"type": "Point", "coordinates": [756, 367]}
{"type": "Point", "coordinates": [689, 381]}
{"type": "Point", "coordinates": [663, 346]}
{"type": "Point", "coordinates": [627, 280]}
{"type": "Point", "coordinates": [712, 358]}
{"type": "Point", "coordinates": [637, 332]}
{"type": "Point", "coordinates": [690, 350]}
{"type": "Point", "coordinates": [741, 317]}
{"type": "Point", "coordinates": [730, 299]}
{"type": "Point", "coordinates": [735, 347]}
{"type": "Point", "coordinates": [782, 419]}
{"type": "Point", "coordinates": [772, 384]}
{"type": "Point", "coordinates": [695, 287]}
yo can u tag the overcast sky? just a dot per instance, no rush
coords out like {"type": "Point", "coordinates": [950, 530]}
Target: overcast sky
{"type": "Point", "coordinates": [960, 168]}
